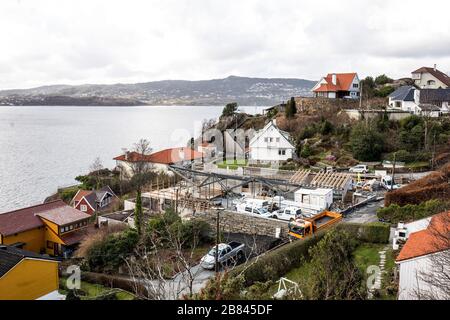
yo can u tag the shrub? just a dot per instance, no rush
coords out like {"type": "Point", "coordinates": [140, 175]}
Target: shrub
{"type": "Point", "coordinates": [109, 254]}
{"type": "Point", "coordinates": [274, 264]}
{"type": "Point", "coordinates": [395, 213]}
{"type": "Point", "coordinates": [366, 142]}
{"type": "Point", "coordinates": [376, 232]}
{"type": "Point", "coordinates": [433, 186]}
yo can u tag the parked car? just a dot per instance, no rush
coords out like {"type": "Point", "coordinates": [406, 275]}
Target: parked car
{"type": "Point", "coordinates": [232, 252]}
{"type": "Point", "coordinates": [252, 208]}
{"type": "Point", "coordinates": [360, 168]}
{"type": "Point", "coordinates": [288, 213]}
{"type": "Point", "coordinates": [389, 184]}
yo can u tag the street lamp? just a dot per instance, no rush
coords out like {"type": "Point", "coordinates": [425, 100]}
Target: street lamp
{"type": "Point", "coordinates": [218, 210]}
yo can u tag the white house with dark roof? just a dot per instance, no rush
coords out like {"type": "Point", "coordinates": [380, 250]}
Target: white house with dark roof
{"type": "Point", "coordinates": [271, 144]}
{"type": "Point", "coordinates": [430, 78]}
{"type": "Point", "coordinates": [404, 99]}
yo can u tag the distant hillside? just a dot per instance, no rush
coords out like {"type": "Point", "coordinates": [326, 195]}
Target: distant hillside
{"type": "Point", "coordinates": [243, 90]}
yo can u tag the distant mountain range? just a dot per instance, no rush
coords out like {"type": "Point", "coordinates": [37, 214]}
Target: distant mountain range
{"type": "Point", "coordinates": [245, 91]}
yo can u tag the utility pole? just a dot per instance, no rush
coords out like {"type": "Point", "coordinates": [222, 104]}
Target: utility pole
{"type": "Point", "coordinates": [393, 171]}
{"type": "Point", "coordinates": [218, 210]}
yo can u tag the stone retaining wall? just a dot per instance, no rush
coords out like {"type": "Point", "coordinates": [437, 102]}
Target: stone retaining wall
{"type": "Point", "coordinates": [235, 222]}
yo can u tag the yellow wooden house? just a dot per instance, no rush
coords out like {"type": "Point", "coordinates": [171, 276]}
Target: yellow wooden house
{"type": "Point", "coordinates": [25, 275]}
{"type": "Point", "coordinates": [53, 228]}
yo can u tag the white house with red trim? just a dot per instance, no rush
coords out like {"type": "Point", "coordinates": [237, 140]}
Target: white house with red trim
{"type": "Point", "coordinates": [338, 85]}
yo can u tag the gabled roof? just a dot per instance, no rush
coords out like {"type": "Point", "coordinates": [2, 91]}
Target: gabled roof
{"type": "Point", "coordinates": [435, 95]}
{"type": "Point", "coordinates": [167, 156]}
{"type": "Point", "coordinates": [175, 155]}
{"type": "Point", "coordinates": [131, 156]}
{"type": "Point", "coordinates": [427, 241]}
{"type": "Point", "coordinates": [11, 256]}
{"type": "Point", "coordinates": [270, 124]}
{"type": "Point", "coordinates": [343, 82]}
{"type": "Point", "coordinates": [26, 219]}
{"type": "Point", "coordinates": [441, 76]}
{"type": "Point", "coordinates": [92, 196]}
{"type": "Point", "coordinates": [80, 194]}
{"type": "Point", "coordinates": [63, 215]}
{"type": "Point", "coordinates": [403, 93]}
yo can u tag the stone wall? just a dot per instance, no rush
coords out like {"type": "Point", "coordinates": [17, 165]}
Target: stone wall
{"type": "Point", "coordinates": [235, 222]}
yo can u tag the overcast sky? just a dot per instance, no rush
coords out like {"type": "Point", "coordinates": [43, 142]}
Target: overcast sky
{"type": "Point", "coordinates": [109, 41]}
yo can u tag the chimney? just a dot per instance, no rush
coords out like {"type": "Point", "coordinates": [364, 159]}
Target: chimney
{"type": "Point", "coordinates": [274, 121]}
{"type": "Point", "coordinates": [435, 67]}
{"type": "Point", "coordinates": [127, 154]}
{"type": "Point", "coordinates": [333, 78]}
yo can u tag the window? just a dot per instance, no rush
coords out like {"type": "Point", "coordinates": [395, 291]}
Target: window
{"type": "Point", "coordinates": [83, 207]}
{"type": "Point", "coordinates": [278, 139]}
{"type": "Point", "coordinates": [248, 209]}
{"type": "Point", "coordinates": [282, 152]}
{"type": "Point", "coordinates": [355, 85]}
{"type": "Point", "coordinates": [71, 227]}
{"type": "Point", "coordinates": [431, 82]}
{"type": "Point", "coordinates": [49, 245]}
{"type": "Point", "coordinates": [271, 139]}
{"type": "Point", "coordinates": [266, 139]}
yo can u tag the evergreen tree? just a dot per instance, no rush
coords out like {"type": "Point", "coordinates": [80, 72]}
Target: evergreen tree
{"type": "Point", "coordinates": [291, 108]}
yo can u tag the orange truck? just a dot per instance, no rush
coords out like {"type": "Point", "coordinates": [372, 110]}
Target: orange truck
{"type": "Point", "coordinates": [304, 227]}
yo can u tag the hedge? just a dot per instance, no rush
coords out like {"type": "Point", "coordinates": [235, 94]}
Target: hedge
{"type": "Point", "coordinates": [375, 232]}
{"type": "Point", "coordinates": [110, 281]}
{"type": "Point", "coordinates": [278, 262]}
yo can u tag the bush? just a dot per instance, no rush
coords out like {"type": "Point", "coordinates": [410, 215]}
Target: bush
{"type": "Point", "coordinates": [433, 186]}
{"type": "Point", "coordinates": [366, 142]}
{"type": "Point", "coordinates": [395, 213]}
{"type": "Point", "coordinates": [376, 232]}
{"type": "Point", "coordinates": [274, 264]}
{"type": "Point", "coordinates": [109, 254]}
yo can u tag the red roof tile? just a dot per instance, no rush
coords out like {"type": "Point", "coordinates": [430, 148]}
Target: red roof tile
{"type": "Point", "coordinates": [175, 155]}
{"type": "Point", "coordinates": [167, 156]}
{"type": "Point", "coordinates": [80, 194]}
{"type": "Point", "coordinates": [427, 241]}
{"type": "Point", "coordinates": [343, 82]}
{"type": "Point", "coordinates": [25, 219]}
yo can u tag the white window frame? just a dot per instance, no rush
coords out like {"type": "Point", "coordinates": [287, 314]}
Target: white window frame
{"type": "Point", "coordinates": [83, 208]}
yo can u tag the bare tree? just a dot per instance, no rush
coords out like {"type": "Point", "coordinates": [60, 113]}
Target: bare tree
{"type": "Point", "coordinates": [95, 169]}
{"type": "Point", "coordinates": [433, 283]}
{"type": "Point", "coordinates": [140, 169]}
{"type": "Point", "coordinates": [166, 249]}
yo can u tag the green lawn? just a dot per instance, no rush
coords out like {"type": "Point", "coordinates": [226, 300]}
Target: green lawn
{"type": "Point", "coordinates": [365, 255]}
{"type": "Point", "coordinates": [232, 164]}
{"type": "Point", "coordinates": [94, 290]}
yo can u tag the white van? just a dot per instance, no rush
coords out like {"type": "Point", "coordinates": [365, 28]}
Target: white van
{"type": "Point", "coordinates": [288, 213]}
{"type": "Point", "coordinates": [254, 209]}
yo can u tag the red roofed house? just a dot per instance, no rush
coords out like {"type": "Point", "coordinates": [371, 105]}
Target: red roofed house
{"type": "Point", "coordinates": [90, 201]}
{"type": "Point", "coordinates": [160, 160]}
{"type": "Point", "coordinates": [418, 258]}
{"type": "Point", "coordinates": [52, 228]}
{"type": "Point", "coordinates": [338, 85]}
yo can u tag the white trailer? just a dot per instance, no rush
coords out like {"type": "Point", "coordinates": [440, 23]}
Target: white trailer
{"type": "Point", "coordinates": [320, 198]}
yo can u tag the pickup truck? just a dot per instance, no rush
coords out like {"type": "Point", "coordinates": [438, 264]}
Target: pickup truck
{"type": "Point", "coordinates": [231, 252]}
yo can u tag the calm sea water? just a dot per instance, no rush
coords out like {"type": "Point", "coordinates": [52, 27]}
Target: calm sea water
{"type": "Point", "coordinates": [42, 148]}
